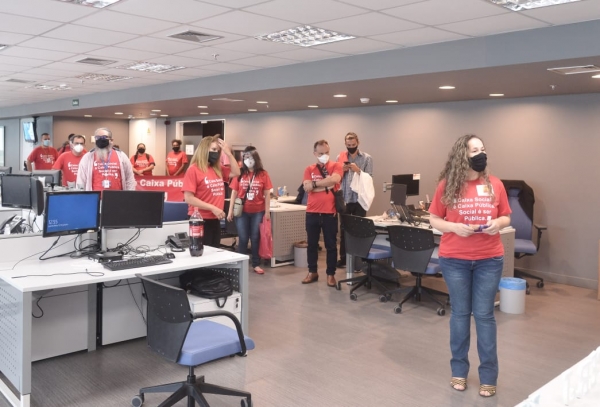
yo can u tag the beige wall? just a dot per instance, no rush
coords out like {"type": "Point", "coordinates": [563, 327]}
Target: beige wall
{"type": "Point", "coordinates": [63, 126]}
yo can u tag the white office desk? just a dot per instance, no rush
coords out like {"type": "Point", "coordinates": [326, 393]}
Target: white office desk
{"type": "Point", "coordinates": [288, 223]}
{"type": "Point", "coordinates": [16, 295]}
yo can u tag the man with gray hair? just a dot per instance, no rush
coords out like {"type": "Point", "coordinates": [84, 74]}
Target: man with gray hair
{"type": "Point", "coordinates": [105, 167]}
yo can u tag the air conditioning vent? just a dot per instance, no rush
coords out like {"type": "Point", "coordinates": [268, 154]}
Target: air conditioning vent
{"type": "Point", "coordinates": [572, 70]}
{"type": "Point", "coordinates": [96, 61]}
{"type": "Point", "coordinates": [18, 81]}
{"type": "Point", "coordinates": [195, 36]}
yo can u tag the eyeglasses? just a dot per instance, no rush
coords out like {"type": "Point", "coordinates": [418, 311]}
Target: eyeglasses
{"type": "Point", "coordinates": [77, 144]}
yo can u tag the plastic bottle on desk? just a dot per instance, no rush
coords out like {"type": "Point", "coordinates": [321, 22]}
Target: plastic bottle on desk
{"type": "Point", "coordinates": [196, 233]}
{"type": "Point", "coordinates": [285, 193]}
{"type": "Point", "coordinates": [7, 229]}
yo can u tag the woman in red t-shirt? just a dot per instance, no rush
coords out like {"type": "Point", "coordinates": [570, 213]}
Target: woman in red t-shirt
{"type": "Point", "coordinates": [253, 188]}
{"type": "Point", "coordinates": [142, 163]}
{"type": "Point", "coordinates": [204, 187]}
{"type": "Point", "coordinates": [470, 207]}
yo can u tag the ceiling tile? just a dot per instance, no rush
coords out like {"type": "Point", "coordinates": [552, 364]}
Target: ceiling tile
{"type": "Point", "coordinates": [228, 67]}
{"type": "Point", "coordinates": [494, 25]}
{"type": "Point", "coordinates": [111, 20]}
{"type": "Point", "coordinates": [25, 25]}
{"type": "Point", "coordinates": [420, 36]}
{"type": "Point", "coordinates": [223, 55]}
{"type": "Point", "coordinates": [240, 22]}
{"type": "Point", "coordinates": [179, 60]}
{"type": "Point", "coordinates": [305, 11]}
{"type": "Point", "coordinates": [181, 11]}
{"type": "Point", "coordinates": [380, 4]}
{"type": "Point", "coordinates": [124, 53]}
{"type": "Point", "coordinates": [357, 46]}
{"type": "Point", "coordinates": [30, 62]}
{"type": "Point", "coordinates": [265, 61]}
{"type": "Point", "coordinates": [50, 72]}
{"type": "Point", "coordinates": [434, 12]}
{"type": "Point", "coordinates": [226, 37]}
{"type": "Point", "coordinates": [234, 3]}
{"type": "Point", "coordinates": [194, 72]}
{"type": "Point", "coordinates": [74, 67]}
{"type": "Point", "coordinates": [89, 34]}
{"type": "Point", "coordinates": [567, 13]}
{"type": "Point", "coordinates": [307, 54]}
{"type": "Point", "coordinates": [369, 24]}
{"type": "Point", "coordinates": [59, 45]}
{"type": "Point", "coordinates": [13, 38]}
{"type": "Point", "coordinates": [257, 46]}
{"type": "Point", "coordinates": [24, 52]}
{"type": "Point", "coordinates": [48, 10]}
{"type": "Point", "coordinates": [158, 45]}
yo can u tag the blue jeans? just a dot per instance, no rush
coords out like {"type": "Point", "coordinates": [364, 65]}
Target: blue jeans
{"type": "Point", "coordinates": [328, 223]}
{"type": "Point", "coordinates": [472, 285]}
{"type": "Point", "coordinates": [248, 229]}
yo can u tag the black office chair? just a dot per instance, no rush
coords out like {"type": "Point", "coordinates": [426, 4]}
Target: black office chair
{"type": "Point", "coordinates": [521, 200]}
{"type": "Point", "coordinates": [360, 234]}
{"type": "Point", "coordinates": [411, 251]}
{"type": "Point", "coordinates": [175, 211]}
{"type": "Point", "coordinates": [228, 230]}
{"type": "Point", "coordinates": [179, 335]}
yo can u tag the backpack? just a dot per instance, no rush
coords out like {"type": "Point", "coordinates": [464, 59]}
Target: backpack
{"type": "Point", "coordinates": [207, 284]}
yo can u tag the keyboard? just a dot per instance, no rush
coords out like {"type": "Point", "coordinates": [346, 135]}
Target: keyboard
{"type": "Point", "coordinates": [136, 262]}
{"type": "Point", "coordinates": [419, 212]}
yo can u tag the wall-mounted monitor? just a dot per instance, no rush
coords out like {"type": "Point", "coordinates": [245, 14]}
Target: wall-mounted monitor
{"type": "Point", "coordinates": [50, 176]}
{"type": "Point", "coordinates": [15, 191]}
{"type": "Point", "coordinates": [71, 213]}
{"type": "Point", "coordinates": [410, 180]}
{"type": "Point", "coordinates": [29, 132]}
{"type": "Point", "coordinates": [132, 209]}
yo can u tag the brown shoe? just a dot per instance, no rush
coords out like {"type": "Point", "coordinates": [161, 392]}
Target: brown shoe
{"type": "Point", "coordinates": [310, 278]}
{"type": "Point", "coordinates": [331, 281]}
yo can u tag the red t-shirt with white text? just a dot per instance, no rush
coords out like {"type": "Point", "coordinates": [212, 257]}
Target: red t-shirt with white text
{"type": "Point", "coordinates": [43, 157]}
{"type": "Point", "coordinates": [109, 171]}
{"type": "Point", "coordinates": [143, 161]}
{"type": "Point", "coordinates": [68, 163]}
{"type": "Point", "coordinates": [175, 161]}
{"type": "Point", "coordinates": [322, 202]}
{"type": "Point", "coordinates": [206, 186]}
{"type": "Point", "coordinates": [254, 194]}
{"type": "Point", "coordinates": [474, 208]}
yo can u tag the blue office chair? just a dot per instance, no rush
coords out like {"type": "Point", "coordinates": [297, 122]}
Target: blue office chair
{"type": "Point", "coordinates": [360, 234]}
{"type": "Point", "coordinates": [174, 211]}
{"type": "Point", "coordinates": [179, 335]}
{"type": "Point", "coordinates": [521, 200]}
{"type": "Point", "coordinates": [412, 248]}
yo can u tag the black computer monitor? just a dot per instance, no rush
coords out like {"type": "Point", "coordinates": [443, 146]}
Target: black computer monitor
{"type": "Point", "coordinates": [410, 180]}
{"type": "Point", "coordinates": [398, 194]}
{"type": "Point", "coordinates": [5, 170]}
{"type": "Point", "coordinates": [50, 176]}
{"type": "Point", "coordinates": [132, 209]}
{"type": "Point", "coordinates": [71, 213]}
{"type": "Point", "coordinates": [15, 191]}
{"type": "Point", "coordinates": [37, 196]}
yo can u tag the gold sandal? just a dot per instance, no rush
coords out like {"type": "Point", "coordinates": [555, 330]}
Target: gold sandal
{"type": "Point", "coordinates": [458, 381]}
{"type": "Point", "coordinates": [491, 390]}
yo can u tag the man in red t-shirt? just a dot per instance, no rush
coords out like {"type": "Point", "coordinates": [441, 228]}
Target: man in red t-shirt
{"type": "Point", "coordinates": [176, 160]}
{"type": "Point", "coordinates": [320, 181]}
{"type": "Point", "coordinates": [43, 157]}
{"type": "Point", "coordinates": [68, 162]}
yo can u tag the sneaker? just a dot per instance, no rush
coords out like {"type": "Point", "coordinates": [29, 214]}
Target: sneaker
{"type": "Point", "coordinates": [258, 270]}
{"type": "Point", "coordinates": [341, 264]}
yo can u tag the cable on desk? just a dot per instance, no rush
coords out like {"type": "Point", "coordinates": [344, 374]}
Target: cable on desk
{"type": "Point", "coordinates": [89, 273]}
{"type": "Point", "coordinates": [125, 247]}
{"type": "Point", "coordinates": [35, 254]}
{"type": "Point", "coordinates": [37, 304]}
{"type": "Point", "coordinates": [110, 286]}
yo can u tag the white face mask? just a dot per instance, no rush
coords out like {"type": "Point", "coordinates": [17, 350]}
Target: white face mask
{"type": "Point", "coordinates": [78, 148]}
{"type": "Point", "coordinates": [324, 159]}
{"type": "Point", "coordinates": [249, 162]}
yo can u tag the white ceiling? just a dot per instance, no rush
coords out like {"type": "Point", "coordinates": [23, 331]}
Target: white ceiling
{"type": "Point", "coordinates": [47, 37]}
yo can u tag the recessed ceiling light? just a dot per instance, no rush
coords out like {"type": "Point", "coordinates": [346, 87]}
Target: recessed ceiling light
{"type": "Point", "coordinates": [313, 106]}
{"type": "Point", "coordinates": [50, 87]}
{"type": "Point", "coordinates": [164, 115]}
{"type": "Point", "coordinates": [203, 112]}
{"type": "Point", "coordinates": [596, 76]}
{"type": "Point", "coordinates": [102, 77]}
{"type": "Point", "coordinates": [252, 110]}
{"type": "Point", "coordinates": [496, 95]}
{"type": "Point", "coordinates": [262, 102]}
{"type": "Point", "coordinates": [391, 101]}
{"type": "Point", "coordinates": [150, 67]}
{"type": "Point", "coordinates": [118, 112]}
{"type": "Point", "coordinates": [3, 46]}
{"type": "Point", "coordinates": [305, 36]}
{"type": "Point", "coordinates": [339, 96]}
{"type": "Point", "coordinates": [92, 3]}
{"type": "Point", "coordinates": [573, 70]}
{"type": "Point", "coordinates": [203, 107]}
{"type": "Point", "coordinates": [87, 115]}
{"type": "Point", "coordinates": [156, 110]}
{"type": "Point", "coordinates": [519, 5]}
{"type": "Point", "coordinates": [152, 114]}
{"type": "Point", "coordinates": [447, 87]}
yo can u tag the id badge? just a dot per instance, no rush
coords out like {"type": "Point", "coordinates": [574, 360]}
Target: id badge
{"type": "Point", "coordinates": [105, 183]}
{"type": "Point", "coordinates": [250, 196]}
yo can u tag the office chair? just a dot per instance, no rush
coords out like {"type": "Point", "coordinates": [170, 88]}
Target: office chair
{"type": "Point", "coordinates": [411, 251]}
{"type": "Point", "coordinates": [228, 230]}
{"type": "Point", "coordinates": [179, 335]}
{"type": "Point", "coordinates": [174, 211]}
{"type": "Point", "coordinates": [521, 200]}
{"type": "Point", "coordinates": [360, 234]}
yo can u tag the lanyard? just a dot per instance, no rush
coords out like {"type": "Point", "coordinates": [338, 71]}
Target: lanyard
{"type": "Point", "coordinates": [106, 162]}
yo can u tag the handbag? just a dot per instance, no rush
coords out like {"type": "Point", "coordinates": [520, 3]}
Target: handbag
{"type": "Point", "coordinates": [340, 203]}
{"type": "Point", "coordinates": [238, 203]}
{"type": "Point", "coordinates": [207, 284]}
{"type": "Point", "coordinates": [265, 247]}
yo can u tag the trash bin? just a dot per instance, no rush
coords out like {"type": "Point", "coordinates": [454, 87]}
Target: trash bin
{"type": "Point", "coordinates": [300, 259]}
{"type": "Point", "coordinates": [512, 295]}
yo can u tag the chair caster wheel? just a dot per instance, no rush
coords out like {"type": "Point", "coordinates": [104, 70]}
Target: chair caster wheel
{"type": "Point", "coordinates": [528, 291]}
{"type": "Point", "coordinates": [383, 298]}
{"type": "Point", "coordinates": [540, 284]}
{"type": "Point", "coordinates": [353, 297]}
{"type": "Point", "coordinates": [441, 312]}
{"type": "Point", "coordinates": [398, 309]}
{"type": "Point", "coordinates": [246, 403]}
{"type": "Point", "coordinates": [137, 401]}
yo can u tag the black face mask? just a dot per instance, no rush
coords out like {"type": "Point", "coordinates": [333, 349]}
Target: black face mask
{"type": "Point", "coordinates": [478, 162]}
{"type": "Point", "coordinates": [141, 150]}
{"type": "Point", "coordinates": [352, 150]}
{"type": "Point", "coordinates": [102, 142]}
{"type": "Point", "coordinates": [213, 157]}
{"type": "Point", "coordinates": [176, 149]}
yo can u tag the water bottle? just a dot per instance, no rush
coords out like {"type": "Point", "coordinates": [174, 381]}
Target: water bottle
{"type": "Point", "coordinates": [285, 193]}
{"type": "Point", "coordinates": [196, 234]}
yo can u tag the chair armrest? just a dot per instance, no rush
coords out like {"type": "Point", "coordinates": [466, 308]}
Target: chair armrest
{"type": "Point", "coordinates": [540, 227]}
{"type": "Point", "coordinates": [236, 322]}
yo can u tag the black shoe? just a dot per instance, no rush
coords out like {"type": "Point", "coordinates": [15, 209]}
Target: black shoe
{"type": "Point", "coordinates": [341, 264]}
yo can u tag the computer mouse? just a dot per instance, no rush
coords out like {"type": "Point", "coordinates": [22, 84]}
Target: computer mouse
{"type": "Point", "coordinates": [170, 255]}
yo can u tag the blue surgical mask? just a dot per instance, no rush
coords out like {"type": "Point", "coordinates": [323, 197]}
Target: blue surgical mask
{"type": "Point", "coordinates": [46, 143]}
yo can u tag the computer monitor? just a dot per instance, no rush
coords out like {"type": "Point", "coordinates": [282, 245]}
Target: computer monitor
{"type": "Point", "coordinates": [398, 194]}
{"type": "Point", "coordinates": [5, 170]}
{"type": "Point", "coordinates": [37, 196]}
{"type": "Point", "coordinates": [71, 213]}
{"type": "Point", "coordinates": [132, 209]}
{"type": "Point", "coordinates": [50, 176]}
{"type": "Point", "coordinates": [15, 191]}
{"type": "Point", "coordinates": [410, 180]}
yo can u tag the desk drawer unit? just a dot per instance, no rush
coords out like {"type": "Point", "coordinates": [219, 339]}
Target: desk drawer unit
{"type": "Point", "coordinates": [233, 305]}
